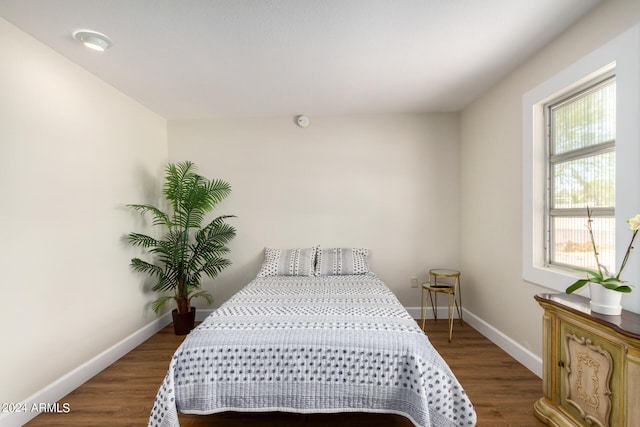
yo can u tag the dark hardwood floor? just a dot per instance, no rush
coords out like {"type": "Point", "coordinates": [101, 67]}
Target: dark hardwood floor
{"type": "Point", "coordinates": [502, 391]}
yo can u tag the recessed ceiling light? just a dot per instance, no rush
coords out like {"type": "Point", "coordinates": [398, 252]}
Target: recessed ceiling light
{"type": "Point", "coordinates": [93, 40]}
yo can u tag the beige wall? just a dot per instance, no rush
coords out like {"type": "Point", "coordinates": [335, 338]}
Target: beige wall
{"type": "Point", "coordinates": [73, 152]}
{"type": "Point", "coordinates": [491, 179]}
{"type": "Point", "coordinates": [387, 182]}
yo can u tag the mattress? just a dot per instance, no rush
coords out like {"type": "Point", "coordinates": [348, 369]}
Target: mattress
{"type": "Point", "coordinates": [312, 344]}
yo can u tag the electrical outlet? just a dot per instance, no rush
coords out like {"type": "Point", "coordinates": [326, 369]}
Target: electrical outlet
{"type": "Point", "coordinates": [414, 282]}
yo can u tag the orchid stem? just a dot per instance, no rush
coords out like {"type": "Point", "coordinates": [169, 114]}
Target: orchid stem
{"type": "Point", "coordinates": [626, 256]}
{"type": "Point", "coordinates": [593, 241]}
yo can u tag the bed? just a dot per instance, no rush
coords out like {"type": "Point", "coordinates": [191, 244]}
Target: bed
{"type": "Point", "coordinates": [325, 336]}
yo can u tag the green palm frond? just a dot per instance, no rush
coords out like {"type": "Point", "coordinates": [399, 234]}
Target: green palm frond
{"type": "Point", "coordinates": [214, 266]}
{"type": "Point", "coordinates": [159, 217]}
{"type": "Point", "coordinates": [211, 242]}
{"type": "Point", "coordinates": [174, 188]}
{"type": "Point", "coordinates": [142, 240]}
{"type": "Point", "coordinates": [217, 190]}
{"type": "Point", "coordinates": [217, 226]}
{"type": "Point", "coordinates": [160, 302]}
{"type": "Point", "coordinates": [144, 267]}
{"type": "Point", "coordinates": [165, 283]}
{"type": "Point", "coordinates": [202, 294]}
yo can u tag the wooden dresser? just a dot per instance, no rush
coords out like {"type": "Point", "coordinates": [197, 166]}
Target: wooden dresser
{"type": "Point", "coordinates": [591, 365]}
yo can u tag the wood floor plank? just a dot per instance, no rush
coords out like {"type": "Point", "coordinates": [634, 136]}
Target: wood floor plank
{"type": "Point", "coordinates": [502, 390]}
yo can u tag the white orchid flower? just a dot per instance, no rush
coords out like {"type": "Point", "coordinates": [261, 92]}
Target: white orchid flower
{"type": "Point", "coordinates": [634, 222]}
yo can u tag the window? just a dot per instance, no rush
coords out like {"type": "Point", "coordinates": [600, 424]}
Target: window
{"type": "Point", "coordinates": [581, 167]}
{"type": "Point", "coordinates": [559, 165]}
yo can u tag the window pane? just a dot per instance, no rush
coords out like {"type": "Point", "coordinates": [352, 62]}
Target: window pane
{"type": "Point", "coordinates": [588, 181]}
{"type": "Point", "coordinates": [572, 245]}
{"type": "Point", "coordinates": [585, 120]}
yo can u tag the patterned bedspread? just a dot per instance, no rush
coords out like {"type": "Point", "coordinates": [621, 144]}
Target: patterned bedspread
{"type": "Point", "coordinates": [311, 345]}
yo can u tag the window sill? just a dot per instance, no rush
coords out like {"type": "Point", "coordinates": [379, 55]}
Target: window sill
{"type": "Point", "coordinates": [554, 278]}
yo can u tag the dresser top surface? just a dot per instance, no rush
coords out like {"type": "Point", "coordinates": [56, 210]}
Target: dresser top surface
{"type": "Point", "coordinates": [627, 323]}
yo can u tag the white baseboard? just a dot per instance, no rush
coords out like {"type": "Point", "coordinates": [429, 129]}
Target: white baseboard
{"type": "Point", "coordinates": [74, 379]}
{"type": "Point", "coordinates": [512, 348]}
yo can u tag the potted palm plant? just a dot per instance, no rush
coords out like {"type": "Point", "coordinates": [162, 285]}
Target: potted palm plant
{"type": "Point", "coordinates": [186, 250]}
{"type": "Point", "coordinates": [606, 288]}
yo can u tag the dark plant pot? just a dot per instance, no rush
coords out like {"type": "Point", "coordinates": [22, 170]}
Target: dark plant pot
{"type": "Point", "coordinates": [183, 323]}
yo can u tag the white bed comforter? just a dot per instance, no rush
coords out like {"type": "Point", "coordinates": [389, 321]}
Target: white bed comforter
{"type": "Point", "coordinates": [311, 345]}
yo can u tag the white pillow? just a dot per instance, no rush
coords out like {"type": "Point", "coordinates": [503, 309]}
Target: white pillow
{"type": "Point", "coordinates": [341, 261]}
{"type": "Point", "coordinates": [288, 262]}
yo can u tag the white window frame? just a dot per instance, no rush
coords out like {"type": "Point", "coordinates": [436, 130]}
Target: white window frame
{"type": "Point", "coordinates": [591, 150]}
{"type": "Point", "coordinates": [623, 54]}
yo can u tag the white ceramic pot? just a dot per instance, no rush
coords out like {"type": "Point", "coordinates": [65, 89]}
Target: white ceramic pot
{"type": "Point", "coordinates": [605, 301]}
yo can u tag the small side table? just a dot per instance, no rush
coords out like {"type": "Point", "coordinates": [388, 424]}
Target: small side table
{"type": "Point", "coordinates": [433, 287]}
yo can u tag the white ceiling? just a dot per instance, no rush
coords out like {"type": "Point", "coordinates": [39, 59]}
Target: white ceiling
{"type": "Point", "coordinates": [243, 58]}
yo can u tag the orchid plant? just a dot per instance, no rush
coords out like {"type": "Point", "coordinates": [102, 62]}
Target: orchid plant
{"type": "Point", "coordinates": [602, 275]}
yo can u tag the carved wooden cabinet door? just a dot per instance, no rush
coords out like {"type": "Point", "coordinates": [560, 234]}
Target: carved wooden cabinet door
{"type": "Point", "coordinates": [586, 380]}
